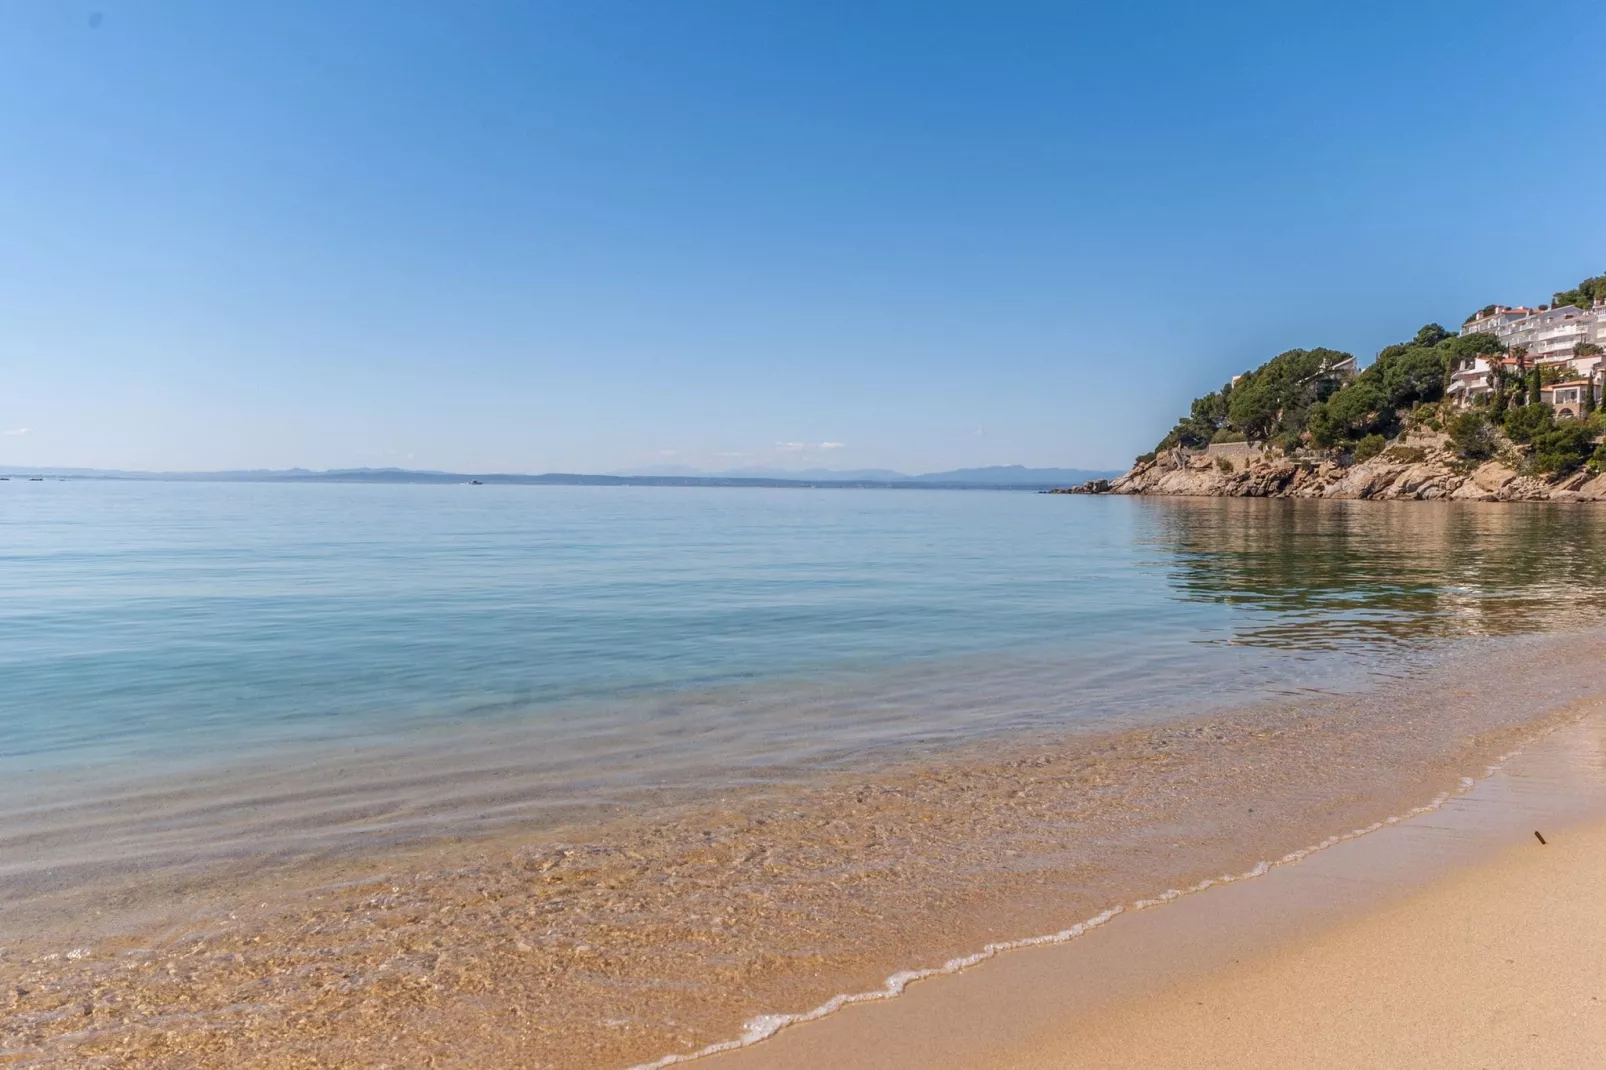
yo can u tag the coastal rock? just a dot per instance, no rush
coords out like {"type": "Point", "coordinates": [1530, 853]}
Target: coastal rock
{"type": "Point", "coordinates": [1471, 492]}
{"type": "Point", "coordinates": [1422, 470]}
{"type": "Point", "coordinates": [1367, 480]}
{"type": "Point", "coordinates": [1524, 489]}
{"type": "Point", "coordinates": [1419, 481]}
{"type": "Point", "coordinates": [1492, 476]}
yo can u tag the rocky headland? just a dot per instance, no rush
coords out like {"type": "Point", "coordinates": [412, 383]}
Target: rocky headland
{"type": "Point", "coordinates": [1419, 466]}
{"type": "Point", "coordinates": [1511, 409]}
{"type": "Point", "coordinates": [1179, 473]}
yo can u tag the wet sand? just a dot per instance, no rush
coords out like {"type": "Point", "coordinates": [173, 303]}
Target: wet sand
{"type": "Point", "coordinates": [662, 932]}
{"type": "Point", "coordinates": [1453, 939]}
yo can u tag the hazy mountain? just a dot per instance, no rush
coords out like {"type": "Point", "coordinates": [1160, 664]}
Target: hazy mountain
{"type": "Point", "coordinates": [995, 475]}
{"type": "Point", "coordinates": [1012, 474]}
{"type": "Point", "coordinates": [1001, 476]}
{"type": "Point", "coordinates": [660, 470]}
{"type": "Point", "coordinates": [878, 475]}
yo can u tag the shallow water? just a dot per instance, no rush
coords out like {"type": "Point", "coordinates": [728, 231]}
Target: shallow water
{"type": "Point", "coordinates": [600, 772]}
{"type": "Point", "coordinates": [151, 623]}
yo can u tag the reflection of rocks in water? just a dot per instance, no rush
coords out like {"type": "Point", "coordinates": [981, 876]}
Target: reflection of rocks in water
{"type": "Point", "coordinates": [1327, 574]}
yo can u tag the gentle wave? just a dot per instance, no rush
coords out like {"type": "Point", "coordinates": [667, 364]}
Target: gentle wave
{"type": "Point", "coordinates": [765, 1026]}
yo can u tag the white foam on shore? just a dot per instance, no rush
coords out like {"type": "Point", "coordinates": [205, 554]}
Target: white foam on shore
{"type": "Point", "coordinates": [765, 1026]}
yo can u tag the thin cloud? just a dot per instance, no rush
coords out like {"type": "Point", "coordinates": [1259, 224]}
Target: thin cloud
{"type": "Point", "coordinates": [17, 431]}
{"type": "Point", "coordinates": [808, 447]}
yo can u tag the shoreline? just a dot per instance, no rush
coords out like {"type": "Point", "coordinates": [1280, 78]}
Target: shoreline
{"type": "Point", "coordinates": [1277, 970]}
{"type": "Point", "coordinates": [1425, 470]}
{"type": "Point", "coordinates": [525, 951]}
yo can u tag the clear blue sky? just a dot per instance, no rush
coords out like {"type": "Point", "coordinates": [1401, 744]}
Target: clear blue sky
{"type": "Point", "coordinates": [590, 236]}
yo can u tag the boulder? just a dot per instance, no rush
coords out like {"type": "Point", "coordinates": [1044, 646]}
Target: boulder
{"type": "Point", "coordinates": [1523, 489]}
{"type": "Point", "coordinates": [1491, 476]}
{"type": "Point", "coordinates": [1365, 480]}
{"type": "Point", "coordinates": [1471, 492]}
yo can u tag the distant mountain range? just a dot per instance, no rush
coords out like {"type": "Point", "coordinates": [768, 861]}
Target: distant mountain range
{"type": "Point", "coordinates": [995, 475]}
{"type": "Point", "coordinates": [998, 477]}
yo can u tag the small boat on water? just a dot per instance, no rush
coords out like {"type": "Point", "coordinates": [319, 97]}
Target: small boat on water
{"type": "Point", "coordinates": [475, 483]}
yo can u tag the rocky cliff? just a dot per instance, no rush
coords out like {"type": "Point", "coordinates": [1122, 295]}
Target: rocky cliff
{"type": "Point", "coordinates": [1418, 469]}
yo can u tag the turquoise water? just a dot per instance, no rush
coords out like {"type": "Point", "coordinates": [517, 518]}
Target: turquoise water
{"type": "Point", "coordinates": [261, 737]}
{"type": "Point", "coordinates": [151, 621]}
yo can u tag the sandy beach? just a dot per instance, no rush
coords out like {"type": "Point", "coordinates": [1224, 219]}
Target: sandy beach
{"type": "Point", "coordinates": [1501, 966]}
{"type": "Point", "coordinates": [1454, 939]}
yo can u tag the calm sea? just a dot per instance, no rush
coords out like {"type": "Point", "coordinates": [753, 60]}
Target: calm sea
{"type": "Point", "coordinates": [568, 776]}
{"type": "Point", "coordinates": [143, 623]}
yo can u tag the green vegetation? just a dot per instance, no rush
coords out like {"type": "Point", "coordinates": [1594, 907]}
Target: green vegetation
{"type": "Point", "coordinates": [1564, 447]}
{"type": "Point", "coordinates": [1306, 397]}
{"type": "Point", "coordinates": [1313, 398]}
{"type": "Point", "coordinates": [1224, 465]}
{"type": "Point", "coordinates": [1463, 349]}
{"type": "Point", "coordinates": [1556, 373]}
{"type": "Point", "coordinates": [1275, 399]}
{"type": "Point", "coordinates": [1472, 436]}
{"type": "Point", "coordinates": [1526, 421]}
{"type": "Point", "coordinates": [1585, 293]}
{"type": "Point", "coordinates": [1369, 447]}
{"type": "Point", "coordinates": [1559, 446]}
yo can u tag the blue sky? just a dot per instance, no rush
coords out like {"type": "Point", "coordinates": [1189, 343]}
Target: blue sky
{"type": "Point", "coordinates": [592, 236]}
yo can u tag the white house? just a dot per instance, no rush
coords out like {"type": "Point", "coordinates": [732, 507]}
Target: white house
{"type": "Point", "coordinates": [1494, 319]}
{"type": "Point", "coordinates": [1476, 379]}
{"type": "Point", "coordinates": [1566, 398]}
{"type": "Point", "coordinates": [1551, 335]}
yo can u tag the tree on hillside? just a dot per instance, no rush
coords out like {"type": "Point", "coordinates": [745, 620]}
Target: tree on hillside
{"type": "Point", "coordinates": [1564, 447]}
{"type": "Point", "coordinates": [1415, 375]}
{"type": "Point", "coordinates": [1555, 373]}
{"type": "Point", "coordinates": [1472, 437]}
{"type": "Point", "coordinates": [1585, 294]}
{"type": "Point", "coordinates": [1430, 335]}
{"type": "Point", "coordinates": [1256, 408]}
{"type": "Point", "coordinates": [1466, 347]}
{"type": "Point", "coordinates": [1205, 418]}
{"type": "Point", "coordinates": [1275, 399]}
{"type": "Point", "coordinates": [1360, 408]}
{"type": "Point", "coordinates": [1524, 423]}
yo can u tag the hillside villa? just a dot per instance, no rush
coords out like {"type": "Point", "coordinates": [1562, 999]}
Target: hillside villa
{"type": "Point", "coordinates": [1550, 337]}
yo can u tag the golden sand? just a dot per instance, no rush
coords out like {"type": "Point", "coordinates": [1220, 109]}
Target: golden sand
{"type": "Point", "coordinates": [1453, 940]}
{"type": "Point", "coordinates": [638, 939]}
